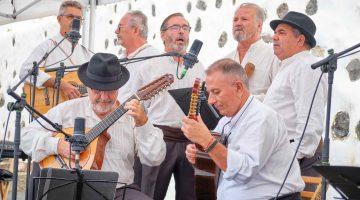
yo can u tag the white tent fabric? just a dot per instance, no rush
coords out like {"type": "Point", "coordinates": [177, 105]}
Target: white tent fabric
{"type": "Point", "coordinates": [19, 10]}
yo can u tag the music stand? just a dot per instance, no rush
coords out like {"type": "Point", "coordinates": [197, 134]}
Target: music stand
{"type": "Point", "coordinates": [208, 114]}
{"type": "Point", "coordinates": [344, 179]}
{"type": "Point", "coordinates": [59, 184]}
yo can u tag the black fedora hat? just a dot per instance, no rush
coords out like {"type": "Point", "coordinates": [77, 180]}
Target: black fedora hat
{"type": "Point", "coordinates": [299, 21]}
{"type": "Point", "coordinates": [103, 72]}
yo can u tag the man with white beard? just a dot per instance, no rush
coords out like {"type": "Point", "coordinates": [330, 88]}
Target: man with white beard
{"type": "Point", "coordinates": [252, 52]}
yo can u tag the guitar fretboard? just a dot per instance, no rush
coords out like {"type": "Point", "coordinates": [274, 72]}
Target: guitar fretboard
{"type": "Point", "coordinates": [107, 121]}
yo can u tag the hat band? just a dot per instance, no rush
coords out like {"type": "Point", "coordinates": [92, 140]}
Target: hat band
{"type": "Point", "coordinates": [106, 79]}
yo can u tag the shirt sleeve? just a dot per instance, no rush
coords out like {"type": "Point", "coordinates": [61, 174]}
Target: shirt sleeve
{"type": "Point", "coordinates": [38, 142]}
{"type": "Point", "coordinates": [246, 158]}
{"type": "Point", "coordinates": [303, 87]}
{"type": "Point", "coordinates": [150, 144]}
{"type": "Point", "coordinates": [36, 56]}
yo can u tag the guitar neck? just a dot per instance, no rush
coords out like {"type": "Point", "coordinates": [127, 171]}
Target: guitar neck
{"type": "Point", "coordinates": [108, 121]}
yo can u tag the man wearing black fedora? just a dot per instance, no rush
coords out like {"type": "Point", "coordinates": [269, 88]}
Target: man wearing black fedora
{"type": "Point", "coordinates": [131, 134]}
{"type": "Point", "coordinates": [291, 92]}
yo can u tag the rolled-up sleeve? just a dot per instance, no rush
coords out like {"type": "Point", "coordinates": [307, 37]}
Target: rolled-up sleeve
{"type": "Point", "coordinates": [38, 142]}
{"type": "Point", "coordinates": [150, 144]}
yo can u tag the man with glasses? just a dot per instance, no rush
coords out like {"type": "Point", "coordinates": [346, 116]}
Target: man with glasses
{"type": "Point", "coordinates": [164, 112]}
{"type": "Point", "coordinates": [252, 52]}
{"type": "Point", "coordinates": [131, 134]}
{"type": "Point", "coordinates": [67, 12]}
{"type": "Point", "coordinates": [255, 153]}
{"type": "Point", "coordinates": [132, 33]}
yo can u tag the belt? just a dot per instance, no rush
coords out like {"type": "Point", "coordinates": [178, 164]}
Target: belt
{"type": "Point", "coordinates": [290, 196]}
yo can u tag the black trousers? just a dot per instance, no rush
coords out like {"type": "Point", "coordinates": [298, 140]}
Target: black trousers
{"type": "Point", "coordinates": [145, 177]}
{"type": "Point", "coordinates": [176, 163]}
{"type": "Point", "coordinates": [292, 196]}
{"type": "Point", "coordinates": [307, 163]}
{"type": "Point", "coordinates": [132, 192]}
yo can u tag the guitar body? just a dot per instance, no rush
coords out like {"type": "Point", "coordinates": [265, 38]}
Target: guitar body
{"type": "Point", "coordinates": [97, 137]}
{"type": "Point", "coordinates": [88, 159]}
{"type": "Point", "coordinates": [205, 175]}
{"type": "Point", "coordinates": [45, 97]}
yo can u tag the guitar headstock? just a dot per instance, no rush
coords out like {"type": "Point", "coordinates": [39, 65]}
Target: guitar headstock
{"type": "Point", "coordinates": [151, 89]}
{"type": "Point", "coordinates": [194, 99]}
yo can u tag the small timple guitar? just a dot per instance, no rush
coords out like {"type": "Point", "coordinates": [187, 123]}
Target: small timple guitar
{"type": "Point", "coordinates": [97, 137]}
{"type": "Point", "coordinates": [45, 97]}
{"type": "Point", "coordinates": [205, 168]}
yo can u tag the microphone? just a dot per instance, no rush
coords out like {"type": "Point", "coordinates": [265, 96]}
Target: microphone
{"type": "Point", "coordinates": [74, 34]}
{"type": "Point", "coordinates": [191, 58]}
{"type": "Point", "coordinates": [79, 139]}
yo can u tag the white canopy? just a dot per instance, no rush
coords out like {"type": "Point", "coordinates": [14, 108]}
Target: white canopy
{"type": "Point", "coordinates": [19, 10]}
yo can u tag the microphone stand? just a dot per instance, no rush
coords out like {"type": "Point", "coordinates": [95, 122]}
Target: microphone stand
{"type": "Point", "coordinates": [329, 65]}
{"type": "Point", "coordinates": [18, 106]}
{"type": "Point", "coordinates": [59, 75]}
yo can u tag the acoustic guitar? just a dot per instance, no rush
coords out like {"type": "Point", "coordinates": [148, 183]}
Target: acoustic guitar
{"type": "Point", "coordinates": [45, 97]}
{"type": "Point", "coordinates": [97, 137]}
{"type": "Point", "coordinates": [205, 168]}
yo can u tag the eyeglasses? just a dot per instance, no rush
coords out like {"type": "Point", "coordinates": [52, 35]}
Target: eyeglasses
{"type": "Point", "coordinates": [71, 17]}
{"type": "Point", "coordinates": [176, 27]}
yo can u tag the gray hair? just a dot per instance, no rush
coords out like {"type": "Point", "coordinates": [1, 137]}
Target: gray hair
{"type": "Point", "coordinates": [260, 12]}
{"type": "Point", "coordinates": [229, 68]}
{"type": "Point", "coordinates": [164, 24]}
{"type": "Point", "coordinates": [297, 33]}
{"type": "Point", "coordinates": [69, 3]}
{"type": "Point", "coordinates": [139, 19]}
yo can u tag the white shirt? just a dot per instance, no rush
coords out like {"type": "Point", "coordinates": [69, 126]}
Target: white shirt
{"type": "Point", "coordinates": [290, 95]}
{"type": "Point", "coordinates": [266, 65]}
{"type": "Point", "coordinates": [126, 139]}
{"type": "Point", "coordinates": [259, 154]}
{"type": "Point", "coordinates": [79, 56]}
{"type": "Point", "coordinates": [145, 50]}
{"type": "Point", "coordinates": [163, 109]}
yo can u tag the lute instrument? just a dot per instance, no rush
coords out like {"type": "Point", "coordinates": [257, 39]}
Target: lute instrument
{"type": "Point", "coordinates": [97, 137]}
{"type": "Point", "coordinates": [45, 97]}
{"type": "Point", "coordinates": [205, 168]}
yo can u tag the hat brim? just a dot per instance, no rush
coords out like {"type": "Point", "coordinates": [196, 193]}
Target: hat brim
{"type": "Point", "coordinates": [102, 85]}
{"type": "Point", "coordinates": [310, 37]}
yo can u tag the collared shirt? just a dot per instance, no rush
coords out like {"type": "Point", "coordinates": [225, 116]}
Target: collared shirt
{"type": "Point", "coordinates": [259, 154]}
{"type": "Point", "coordinates": [163, 109]}
{"type": "Point", "coordinates": [126, 139]}
{"type": "Point", "coordinates": [290, 95]}
{"type": "Point", "coordinates": [145, 50]}
{"type": "Point", "coordinates": [266, 65]}
{"type": "Point", "coordinates": [78, 57]}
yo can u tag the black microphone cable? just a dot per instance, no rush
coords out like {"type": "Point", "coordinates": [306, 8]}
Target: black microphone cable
{"type": "Point", "coordinates": [301, 138]}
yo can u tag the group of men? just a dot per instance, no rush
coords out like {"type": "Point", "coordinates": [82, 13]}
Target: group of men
{"type": "Point", "coordinates": [263, 93]}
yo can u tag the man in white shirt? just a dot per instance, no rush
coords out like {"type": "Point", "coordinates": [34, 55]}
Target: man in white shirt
{"type": "Point", "coordinates": [252, 52]}
{"type": "Point", "coordinates": [292, 90]}
{"type": "Point", "coordinates": [132, 33]}
{"type": "Point", "coordinates": [68, 11]}
{"type": "Point", "coordinates": [255, 152]}
{"type": "Point", "coordinates": [164, 112]}
{"type": "Point", "coordinates": [131, 134]}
